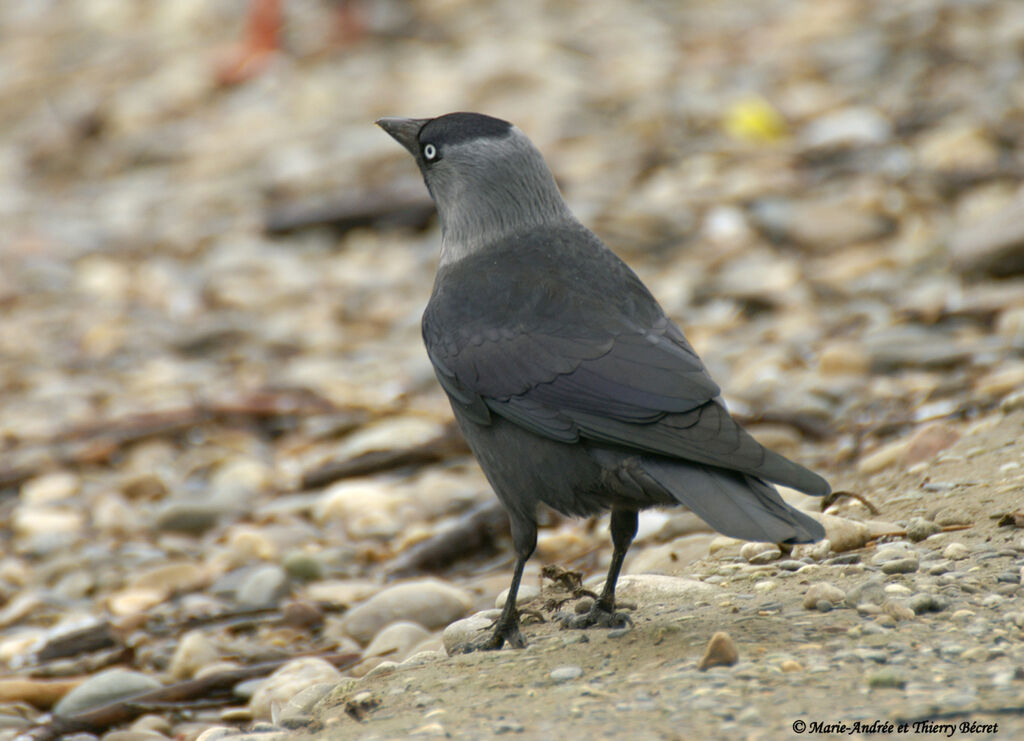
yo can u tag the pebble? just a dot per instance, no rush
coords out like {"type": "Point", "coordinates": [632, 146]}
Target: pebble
{"type": "Point", "coordinates": [720, 651]}
{"type": "Point", "coordinates": [760, 553]}
{"type": "Point", "coordinates": [397, 640]}
{"type": "Point", "coordinates": [194, 651]}
{"type": "Point", "coordinates": [49, 488]}
{"type": "Point", "coordinates": [885, 679]}
{"type": "Point", "coordinates": [468, 629]}
{"type": "Point", "coordinates": [288, 681]}
{"type": "Point", "coordinates": [564, 674]}
{"type": "Point", "coordinates": [643, 588]}
{"type": "Point", "coordinates": [925, 602]}
{"type": "Point", "coordinates": [823, 592]}
{"type": "Point", "coordinates": [264, 586]}
{"type": "Point", "coordinates": [106, 686]}
{"type": "Point", "coordinates": [429, 602]}
{"type": "Point", "coordinates": [854, 126]}
{"type": "Point", "coordinates": [526, 594]}
{"type": "Point", "coordinates": [299, 706]}
{"type": "Point", "coordinates": [927, 442]}
{"type": "Point", "coordinates": [919, 529]}
{"type": "Point", "coordinates": [870, 592]}
{"type": "Point", "coordinates": [189, 517]}
{"type": "Point", "coordinates": [956, 552]}
{"type": "Point", "coordinates": [900, 566]}
{"type": "Point", "coordinates": [133, 735]}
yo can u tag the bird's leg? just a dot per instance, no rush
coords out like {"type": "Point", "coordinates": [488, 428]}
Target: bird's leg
{"type": "Point", "coordinates": [602, 614]}
{"type": "Point", "coordinates": [506, 629]}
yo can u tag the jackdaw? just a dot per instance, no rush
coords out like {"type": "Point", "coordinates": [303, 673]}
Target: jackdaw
{"type": "Point", "coordinates": [569, 382]}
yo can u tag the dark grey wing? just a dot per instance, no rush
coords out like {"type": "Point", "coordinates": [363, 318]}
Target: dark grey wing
{"type": "Point", "coordinates": [643, 390]}
{"type": "Point", "coordinates": [550, 352]}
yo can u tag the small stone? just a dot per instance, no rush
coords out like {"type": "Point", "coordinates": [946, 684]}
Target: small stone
{"type": "Point", "coordinates": [720, 651]}
{"type": "Point", "coordinates": [927, 442]}
{"type": "Point", "coordinates": [660, 588]}
{"type": "Point", "coordinates": [892, 552]}
{"type": "Point", "coordinates": [303, 566]}
{"type": "Point", "coordinates": [919, 529]}
{"type": "Point", "coordinates": [925, 602]}
{"type": "Point", "coordinates": [760, 553]}
{"type": "Point", "coordinates": [469, 629]}
{"type": "Point", "coordinates": [823, 592]}
{"type": "Point", "coordinates": [49, 488]}
{"type": "Point", "coordinates": [397, 640]}
{"type": "Point", "coordinates": [133, 735]}
{"type": "Point", "coordinates": [898, 610]}
{"type": "Point", "coordinates": [429, 602]}
{"type": "Point", "coordinates": [264, 586]}
{"type": "Point", "coordinates": [194, 651]}
{"type": "Point", "coordinates": [885, 679]}
{"type": "Point", "coordinates": [288, 681]}
{"type": "Point", "coordinates": [870, 592]}
{"type": "Point", "coordinates": [527, 593]}
{"type": "Point", "coordinates": [789, 665]}
{"type": "Point", "coordinates": [848, 127]}
{"type": "Point", "coordinates": [956, 552]}
{"type": "Point", "coordinates": [179, 576]}
{"type": "Point", "coordinates": [566, 674]}
{"type": "Point", "coordinates": [102, 688]}
{"type": "Point", "coordinates": [299, 707]}
{"type": "Point", "coordinates": [191, 518]}
{"type": "Point", "coordinates": [791, 565]}
{"type": "Point", "coordinates": [900, 566]}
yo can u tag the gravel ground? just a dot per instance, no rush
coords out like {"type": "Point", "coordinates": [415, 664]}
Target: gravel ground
{"type": "Point", "coordinates": [224, 454]}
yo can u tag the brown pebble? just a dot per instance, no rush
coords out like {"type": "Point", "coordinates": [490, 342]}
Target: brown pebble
{"type": "Point", "coordinates": [928, 442]}
{"type": "Point", "coordinates": [721, 651]}
{"type": "Point", "coordinates": [791, 666]}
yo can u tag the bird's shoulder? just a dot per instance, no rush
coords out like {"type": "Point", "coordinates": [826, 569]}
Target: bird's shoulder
{"type": "Point", "coordinates": [559, 279]}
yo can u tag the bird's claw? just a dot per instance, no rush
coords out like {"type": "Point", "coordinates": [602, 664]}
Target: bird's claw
{"type": "Point", "coordinates": [597, 617]}
{"type": "Point", "coordinates": [501, 635]}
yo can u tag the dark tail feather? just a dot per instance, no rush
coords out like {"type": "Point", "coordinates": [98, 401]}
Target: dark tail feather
{"type": "Point", "coordinates": [734, 504]}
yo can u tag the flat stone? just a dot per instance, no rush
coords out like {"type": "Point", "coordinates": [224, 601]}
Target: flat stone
{"type": "Point", "coordinates": [429, 602]}
{"type": "Point", "coordinates": [264, 586]}
{"type": "Point", "coordinates": [288, 681]}
{"type": "Point", "coordinates": [107, 686]}
{"type": "Point", "coordinates": [900, 566]}
{"type": "Point", "coordinates": [566, 674]}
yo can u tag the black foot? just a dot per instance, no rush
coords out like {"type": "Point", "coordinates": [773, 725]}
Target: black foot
{"type": "Point", "coordinates": [598, 617]}
{"type": "Point", "coordinates": [501, 635]}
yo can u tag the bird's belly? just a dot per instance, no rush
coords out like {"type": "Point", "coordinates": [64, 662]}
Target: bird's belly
{"type": "Point", "coordinates": [577, 479]}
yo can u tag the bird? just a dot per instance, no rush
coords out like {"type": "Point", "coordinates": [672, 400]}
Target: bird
{"type": "Point", "coordinates": [572, 386]}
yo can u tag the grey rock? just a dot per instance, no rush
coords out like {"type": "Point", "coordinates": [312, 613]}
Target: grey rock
{"type": "Point", "coordinates": [189, 517]}
{"type": "Point", "coordinates": [566, 674]}
{"type": "Point", "coordinates": [823, 593]}
{"type": "Point", "coordinates": [467, 630]}
{"type": "Point", "coordinates": [919, 529]}
{"type": "Point", "coordinates": [871, 592]}
{"type": "Point", "coordinates": [900, 566]}
{"type": "Point", "coordinates": [925, 602]}
{"type": "Point", "coordinates": [264, 586]}
{"type": "Point", "coordinates": [993, 246]}
{"type": "Point", "coordinates": [429, 602]}
{"type": "Point", "coordinates": [102, 688]}
{"type": "Point", "coordinates": [397, 640]}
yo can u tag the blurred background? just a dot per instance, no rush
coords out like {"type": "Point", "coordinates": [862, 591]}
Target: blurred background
{"type": "Point", "coordinates": [213, 392]}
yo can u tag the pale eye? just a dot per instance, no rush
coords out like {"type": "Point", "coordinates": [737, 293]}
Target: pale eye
{"type": "Point", "coordinates": [429, 152]}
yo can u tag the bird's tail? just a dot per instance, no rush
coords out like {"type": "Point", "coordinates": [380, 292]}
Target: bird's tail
{"type": "Point", "coordinates": [733, 503]}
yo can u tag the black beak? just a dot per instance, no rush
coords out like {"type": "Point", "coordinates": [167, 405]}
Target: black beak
{"type": "Point", "coordinates": [404, 131]}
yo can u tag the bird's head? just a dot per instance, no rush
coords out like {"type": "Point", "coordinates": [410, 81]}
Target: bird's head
{"type": "Point", "coordinates": [487, 179]}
